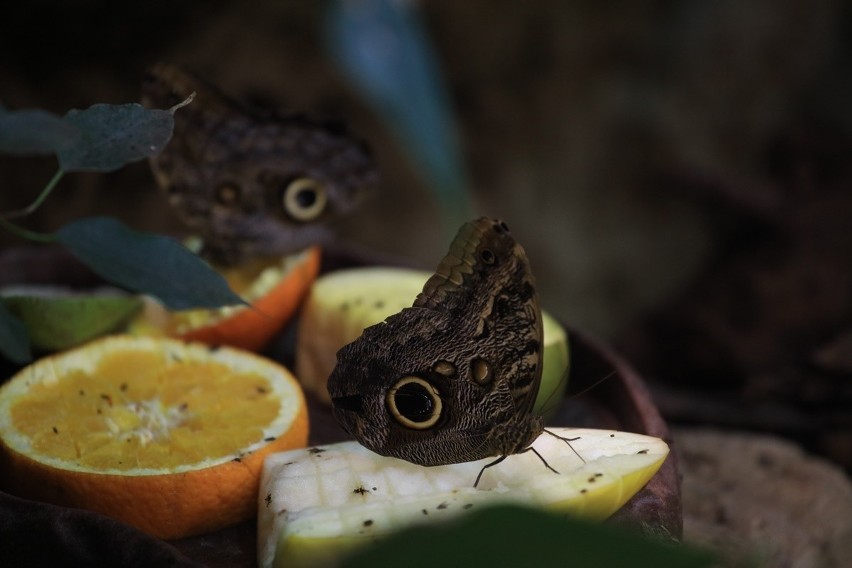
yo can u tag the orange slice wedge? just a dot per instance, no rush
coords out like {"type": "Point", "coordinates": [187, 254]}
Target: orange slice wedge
{"type": "Point", "coordinates": [167, 436]}
{"type": "Point", "coordinates": [274, 288]}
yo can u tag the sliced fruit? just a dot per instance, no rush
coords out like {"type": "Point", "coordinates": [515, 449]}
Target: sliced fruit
{"type": "Point", "coordinates": [316, 503]}
{"type": "Point", "coordinates": [167, 436]}
{"type": "Point", "coordinates": [342, 303]}
{"type": "Point", "coordinates": [274, 288]}
{"type": "Point", "coordinates": [58, 319]}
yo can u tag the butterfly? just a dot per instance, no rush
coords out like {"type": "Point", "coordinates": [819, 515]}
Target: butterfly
{"type": "Point", "coordinates": [454, 377]}
{"type": "Point", "coordinates": [252, 182]}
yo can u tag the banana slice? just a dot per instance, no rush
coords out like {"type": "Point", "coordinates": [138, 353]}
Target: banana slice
{"type": "Point", "coordinates": [317, 503]}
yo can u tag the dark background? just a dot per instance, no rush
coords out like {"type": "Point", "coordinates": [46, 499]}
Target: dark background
{"type": "Point", "coordinates": [678, 172]}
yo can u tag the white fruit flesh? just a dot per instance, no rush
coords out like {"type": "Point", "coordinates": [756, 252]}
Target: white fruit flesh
{"type": "Point", "coordinates": [317, 502]}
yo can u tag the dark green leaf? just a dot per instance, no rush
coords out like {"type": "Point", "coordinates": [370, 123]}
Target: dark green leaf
{"type": "Point", "coordinates": [146, 263]}
{"type": "Point", "coordinates": [25, 132]}
{"type": "Point", "coordinates": [61, 322]}
{"type": "Point", "coordinates": [114, 135]}
{"type": "Point", "coordinates": [14, 343]}
{"type": "Point", "coordinates": [517, 536]}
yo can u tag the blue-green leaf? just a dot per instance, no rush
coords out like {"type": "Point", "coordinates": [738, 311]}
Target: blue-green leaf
{"type": "Point", "coordinates": [382, 47]}
{"type": "Point", "coordinates": [146, 263]}
{"type": "Point", "coordinates": [33, 131]}
{"type": "Point", "coordinates": [14, 342]}
{"type": "Point", "coordinates": [114, 135]}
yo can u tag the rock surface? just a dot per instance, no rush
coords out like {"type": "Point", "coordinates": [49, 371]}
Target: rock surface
{"type": "Point", "coordinates": [761, 501]}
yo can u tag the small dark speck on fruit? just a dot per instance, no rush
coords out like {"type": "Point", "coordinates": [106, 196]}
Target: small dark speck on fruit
{"type": "Point", "coordinates": [107, 398]}
{"type": "Point", "coordinates": [316, 450]}
{"type": "Point", "coordinates": [375, 488]}
{"type": "Point", "coordinates": [468, 506]}
{"type": "Point", "coordinates": [443, 505]}
{"type": "Point", "coordinates": [123, 387]}
{"type": "Point", "coordinates": [598, 475]}
{"type": "Point", "coordinates": [262, 390]}
{"type": "Point", "coordinates": [379, 304]}
{"type": "Point", "coordinates": [55, 430]}
{"type": "Point", "coordinates": [424, 511]}
{"type": "Point", "coordinates": [584, 490]}
{"type": "Point", "coordinates": [269, 439]}
{"type": "Point", "coordinates": [360, 490]}
{"type": "Point", "coordinates": [82, 392]}
{"type": "Point", "coordinates": [368, 522]}
{"type": "Point", "coordinates": [183, 406]}
{"type": "Point", "coordinates": [237, 459]}
{"type": "Point", "coordinates": [612, 435]}
{"type": "Point", "coordinates": [592, 479]}
{"type": "Point", "coordinates": [642, 452]}
{"type": "Point", "coordinates": [268, 500]}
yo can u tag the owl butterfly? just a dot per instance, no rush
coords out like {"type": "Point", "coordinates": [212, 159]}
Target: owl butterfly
{"type": "Point", "coordinates": [252, 183]}
{"type": "Point", "coordinates": [454, 377]}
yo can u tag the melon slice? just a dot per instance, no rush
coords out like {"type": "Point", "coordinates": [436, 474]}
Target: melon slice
{"type": "Point", "coordinates": [317, 503]}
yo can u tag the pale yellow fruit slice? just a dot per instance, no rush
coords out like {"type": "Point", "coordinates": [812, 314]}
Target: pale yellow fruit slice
{"type": "Point", "coordinates": [342, 303]}
{"type": "Point", "coordinates": [317, 503]}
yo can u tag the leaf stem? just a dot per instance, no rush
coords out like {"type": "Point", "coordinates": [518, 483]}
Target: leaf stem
{"type": "Point", "coordinates": [17, 214]}
{"type": "Point", "coordinates": [26, 233]}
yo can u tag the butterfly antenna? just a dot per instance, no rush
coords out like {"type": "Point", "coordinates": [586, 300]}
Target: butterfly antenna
{"type": "Point", "coordinates": [567, 441]}
{"type": "Point", "coordinates": [593, 385]}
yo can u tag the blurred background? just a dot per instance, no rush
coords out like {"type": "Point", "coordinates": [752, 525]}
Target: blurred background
{"type": "Point", "coordinates": [678, 171]}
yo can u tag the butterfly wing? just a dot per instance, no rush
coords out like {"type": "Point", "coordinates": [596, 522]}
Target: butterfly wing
{"type": "Point", "coordinates": [251, 183]}
{"type": "Point", "coordinates": [454, 377]}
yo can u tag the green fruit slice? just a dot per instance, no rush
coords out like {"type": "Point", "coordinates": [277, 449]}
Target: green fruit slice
{"type": "Point", "coordinates": [342, 303]}
{"type": "Point", "coordinates": [316, 503]}
{"type": "Point", "coordinates": [57, 320]}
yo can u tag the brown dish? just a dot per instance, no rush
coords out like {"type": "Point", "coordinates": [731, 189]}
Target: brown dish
{"type": "Point", "coordinates": [604, 392]}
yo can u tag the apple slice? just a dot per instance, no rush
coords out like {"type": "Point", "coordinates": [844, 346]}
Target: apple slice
{"type": "Point", "coordinates": [342, 303]}
{"type": "Point", "coordinates": [317, 503]}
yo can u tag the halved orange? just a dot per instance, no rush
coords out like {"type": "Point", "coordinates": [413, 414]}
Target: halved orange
{"type": "Point", "coordinates": [274, 287]}
{"type": "Point", "coordinates": [165, 435]}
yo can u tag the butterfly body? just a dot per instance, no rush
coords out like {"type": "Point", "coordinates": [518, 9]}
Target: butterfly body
{"type": "Point", "coordinates": [454, 377]}
{"type": "Point", "coordinates": [252, 183]}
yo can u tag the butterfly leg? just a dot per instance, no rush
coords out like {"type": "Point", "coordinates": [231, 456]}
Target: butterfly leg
{"type": "Point", "coordinates": [481, 471]}
{"type": "Point", "coordinates": [567, 441]}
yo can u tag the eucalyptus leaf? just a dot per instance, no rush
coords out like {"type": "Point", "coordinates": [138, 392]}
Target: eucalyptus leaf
{"type": "Point", "coordinates": [146, 263]}
{"type": "Point", "coordinates": [14, 342]}
{"type": "Point", "coordinates": [61, 322]}
{"type": "Point", "coordinates": [114, 135]}
{"type": "Point", "coordinates": [510, 535]}
{"type": "Point", "coordinates": [34, 131]}
{"type": "Point", "coordinates": [382, 47]}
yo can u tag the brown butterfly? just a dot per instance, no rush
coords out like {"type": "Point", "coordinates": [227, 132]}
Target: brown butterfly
{"type": "Point", "coordinates": [454, 377]}
{"type": "Point", "coordinates": [253, 183]}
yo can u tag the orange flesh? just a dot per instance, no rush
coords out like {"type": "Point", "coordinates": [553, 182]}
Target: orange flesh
{"type": "Point", "coordinates": [137, 411]}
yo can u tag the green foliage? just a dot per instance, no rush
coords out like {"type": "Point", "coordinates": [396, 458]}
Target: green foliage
{"type": "Point", "coordinates": [103, 138]}
{"type": "Point", "coordinates": [510, 535]}
{"type": "Point", "coordinates": [146, 263]}
{"type": "Point", "coordinates": [112, 136]}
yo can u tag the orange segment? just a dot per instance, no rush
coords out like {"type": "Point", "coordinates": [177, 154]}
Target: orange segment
{"type": "Point", "coordinates": [167, 436]}
{"type": "Point", "coordinates": [274, 287]}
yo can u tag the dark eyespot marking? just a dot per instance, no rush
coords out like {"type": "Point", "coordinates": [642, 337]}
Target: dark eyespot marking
{"type": "Point", "coordinates": [444, 368]}
{"type": "Point", "coordinates": [414, 403]}
{"type": "Point", "coordinates": [481, 371]}
{"type": "Point", "coordinates": [488, 257]}
{"type": "Point", "coordinates": [304, 199]}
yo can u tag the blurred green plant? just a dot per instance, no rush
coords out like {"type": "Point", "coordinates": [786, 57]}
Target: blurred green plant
{"type": "Point", "coordinates": [382, 48]}
{"type": "Point", "coordinates": [104, 138]}
{"type": "Point", "coordinates": [511, 535]}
